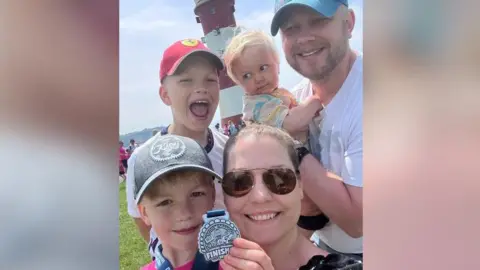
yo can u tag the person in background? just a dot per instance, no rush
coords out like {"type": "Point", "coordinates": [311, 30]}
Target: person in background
{"type": "Point", "coordinates": [131, 147]}
{"type": "Point", "coordinates": [232, 128]}
{"type": "Point", "coordinates": [123, 156]}
{"type": "Point", "coordinates": [226, 131]}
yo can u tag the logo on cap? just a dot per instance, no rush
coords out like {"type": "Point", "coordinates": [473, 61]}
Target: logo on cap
{"type": "Point", "coordinates": [167, 148]}
{"type": "Point", "coordinates": [190, 42]}
{"type": "Point", "coordinates": [216, 238]}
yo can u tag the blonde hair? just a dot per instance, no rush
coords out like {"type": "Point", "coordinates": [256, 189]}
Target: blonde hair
{"type": "Point", "coordinates": [243, 40]}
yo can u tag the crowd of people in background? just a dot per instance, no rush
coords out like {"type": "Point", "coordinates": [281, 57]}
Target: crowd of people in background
{"type": "Point", "coordinates": [230, 128]}
{"type": "Point", "coordinates": [125, 153]}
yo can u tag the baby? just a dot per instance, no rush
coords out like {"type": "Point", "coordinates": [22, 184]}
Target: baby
{"type": "Point", "coordinates": [253, 63]}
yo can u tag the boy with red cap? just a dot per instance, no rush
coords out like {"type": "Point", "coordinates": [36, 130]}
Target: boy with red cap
{"type": "Point", "coordinates": [189, 84]}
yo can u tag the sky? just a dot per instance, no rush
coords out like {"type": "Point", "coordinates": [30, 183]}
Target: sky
{"type": "Point", "coordinates": [148, 27]}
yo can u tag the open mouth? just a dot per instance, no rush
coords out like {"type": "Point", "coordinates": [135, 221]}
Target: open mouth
{"type": "Point", "coordinates": [187, 231]}
{"type": "Point", "coordinates": [200, 108]}
{"type": "Point", "coordinates": [310, 53]}
{"type": "Point", "coordinates": [263, 217]}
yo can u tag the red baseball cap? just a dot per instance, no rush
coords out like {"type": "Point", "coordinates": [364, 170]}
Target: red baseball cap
{"type": "Point", "coordinates": [174, 55]}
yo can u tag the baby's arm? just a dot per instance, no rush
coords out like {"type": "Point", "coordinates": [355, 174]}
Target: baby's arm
{"type": "Point", "coordinates": [299, 117]}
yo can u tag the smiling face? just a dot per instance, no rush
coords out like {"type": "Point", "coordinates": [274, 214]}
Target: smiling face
{"type": "Point", "coordinates": [256, 70]}
{"type": "Point", "coordinates": [174, 206]}
{"type": "Point", "coordinates": [261, 215]}
{"type": "Point", "coordinates": [192, 93]}
{"type": "Point", "coordinates": [314, 45]}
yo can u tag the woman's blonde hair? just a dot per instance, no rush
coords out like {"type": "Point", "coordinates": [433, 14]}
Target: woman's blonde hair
{"type": "Point", "coordinates": [245, 39]}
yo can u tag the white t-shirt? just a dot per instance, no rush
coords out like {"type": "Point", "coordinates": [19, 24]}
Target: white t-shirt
{"type": "Point", "coordinates": [216, 157]}
{"type": "Point", "coordinates": [337, 134]}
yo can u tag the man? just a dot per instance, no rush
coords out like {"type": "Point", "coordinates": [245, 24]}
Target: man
{"type": "Point", "coordinates": [190, 87]}
{"type": "Point", "coordinates": [315, 38]}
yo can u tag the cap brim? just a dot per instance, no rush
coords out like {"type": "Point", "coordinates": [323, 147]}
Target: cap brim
{"type": "Point", "coordinates": [324, 8]}
{"type": "Point", "coordinates": [176, 168]}
{"type": "Point", "coordinates": [213, 58]}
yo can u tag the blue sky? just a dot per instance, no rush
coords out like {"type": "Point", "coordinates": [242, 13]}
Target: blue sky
{"type": "Point", "coordinates": [148, 27]}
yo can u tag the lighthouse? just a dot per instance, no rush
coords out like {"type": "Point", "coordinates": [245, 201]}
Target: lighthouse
{"type": "Point", "coordinates": [219, 27]}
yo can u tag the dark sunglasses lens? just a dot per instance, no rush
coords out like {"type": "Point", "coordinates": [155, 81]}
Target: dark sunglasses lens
{"type": "Point", "coordinates": [280, 181]}
{"type": "Point", "coordinates": [237, 184]}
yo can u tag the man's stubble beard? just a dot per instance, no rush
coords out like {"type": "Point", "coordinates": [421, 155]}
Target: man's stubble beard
{"type": "Point", "coordinates": [334, 57]}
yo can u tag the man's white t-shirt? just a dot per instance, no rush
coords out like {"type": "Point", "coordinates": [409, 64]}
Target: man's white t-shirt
{"type": "Point", "coordinates": [216, 157]}
{"type": "Point", "coordinates": [336, 136]}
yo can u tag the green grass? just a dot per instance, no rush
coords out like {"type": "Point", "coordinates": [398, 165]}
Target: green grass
{"type": "Point", "coordinates": [133, 249]}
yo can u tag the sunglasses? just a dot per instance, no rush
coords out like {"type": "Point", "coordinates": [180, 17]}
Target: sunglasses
{"type": "Point", "coordinates": [279, 181]}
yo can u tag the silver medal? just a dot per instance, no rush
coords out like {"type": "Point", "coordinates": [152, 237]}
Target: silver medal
{"type": "Point", "coordinates": [216, 236]}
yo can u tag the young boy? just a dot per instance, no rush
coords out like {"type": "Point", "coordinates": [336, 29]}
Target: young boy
{"type": "Point", "coordinates": [173, 188]}
{"type": "Point", "coordinates": [190, 86]}
{"type": "Point", "coordinates": [253, 63]}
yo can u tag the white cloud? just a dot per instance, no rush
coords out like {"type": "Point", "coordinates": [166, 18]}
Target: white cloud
{"type": "Point", "coordinates": [144, 36]}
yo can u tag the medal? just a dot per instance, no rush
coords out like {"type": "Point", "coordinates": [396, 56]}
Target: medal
{"type": "Point", "coordinates": [216, 235]}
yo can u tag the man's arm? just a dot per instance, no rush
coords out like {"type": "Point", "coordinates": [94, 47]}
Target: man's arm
{"type": "Point", "coordinates": [340, 199]}
{"type": "Point", "coordinates": [300, 116]}
{"type": "Point", "coordinates": [143, 228]}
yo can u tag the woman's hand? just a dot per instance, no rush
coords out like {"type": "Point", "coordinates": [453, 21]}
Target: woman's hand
{"type": "Point", "coordinates": [246, 255]}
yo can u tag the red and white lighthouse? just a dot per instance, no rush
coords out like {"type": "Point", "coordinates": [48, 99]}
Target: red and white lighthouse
{"type": "Point", "coordinates": [219, 27]}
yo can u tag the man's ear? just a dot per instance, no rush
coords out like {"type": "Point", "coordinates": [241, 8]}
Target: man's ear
{"type": "Point", "coordinates": [164, 95]}
{"type": "Point", "coordinates": [143, 214]}
{"type": "Point", "coordinates": [350, 21]}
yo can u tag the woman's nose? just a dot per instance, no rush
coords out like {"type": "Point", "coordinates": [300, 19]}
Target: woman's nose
{"type": "Point", "coordinates": [259, 192]}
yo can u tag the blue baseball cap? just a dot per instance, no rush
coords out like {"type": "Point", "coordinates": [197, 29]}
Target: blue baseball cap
{"type": "Point", "coordinates": [325, 8]}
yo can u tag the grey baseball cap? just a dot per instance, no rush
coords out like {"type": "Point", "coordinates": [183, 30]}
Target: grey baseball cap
{"type": "Point", "coordinates": [165, 154]}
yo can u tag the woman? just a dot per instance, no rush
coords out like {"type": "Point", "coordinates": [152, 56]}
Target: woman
{"type": "Point", "coordinates": [263, 195]}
